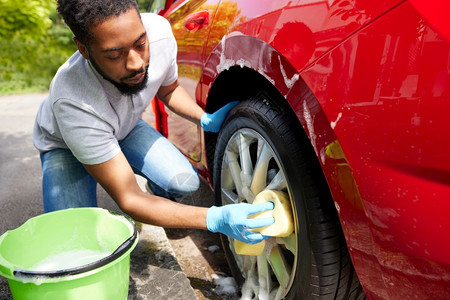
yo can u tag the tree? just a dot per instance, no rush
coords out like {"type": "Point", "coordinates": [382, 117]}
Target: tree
{"type": "Point", "coordinates": [33, 43]}
{"type": "Point", "coordinates": [28, 19]}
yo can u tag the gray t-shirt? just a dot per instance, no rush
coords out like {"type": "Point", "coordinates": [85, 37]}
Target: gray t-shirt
{"type": "Point", "coordinates": [87, 114]}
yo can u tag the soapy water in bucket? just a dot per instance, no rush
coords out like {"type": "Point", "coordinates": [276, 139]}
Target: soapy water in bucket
{"type": "Point", "coordinates": [70, 259]}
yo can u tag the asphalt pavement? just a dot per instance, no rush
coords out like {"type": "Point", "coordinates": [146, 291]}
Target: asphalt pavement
{"type": "Point", "coordinates": [155, 272]}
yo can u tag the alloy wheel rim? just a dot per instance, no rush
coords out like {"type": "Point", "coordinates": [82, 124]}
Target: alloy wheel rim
{"type": "Point", "coordinates": [249, 166]}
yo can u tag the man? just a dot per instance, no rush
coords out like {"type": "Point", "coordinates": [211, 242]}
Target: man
{"type": "Point", "coordinates": [89, 129]}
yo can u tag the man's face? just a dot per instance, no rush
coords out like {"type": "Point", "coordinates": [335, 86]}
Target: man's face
{"type": "Point", "coordinates": [120, 51]}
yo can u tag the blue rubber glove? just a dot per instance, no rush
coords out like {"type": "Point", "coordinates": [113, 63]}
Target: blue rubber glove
{"type": "Point", "coordinates": [232, 221]}
{"type": "Point", "coordinates": [213, 122]}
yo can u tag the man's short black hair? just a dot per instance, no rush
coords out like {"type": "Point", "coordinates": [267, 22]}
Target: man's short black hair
{"type": "Point", "coordinates": [80, 15]}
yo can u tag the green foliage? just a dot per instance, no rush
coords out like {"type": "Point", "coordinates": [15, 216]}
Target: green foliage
{"type": "Point", "coordinates": [34, 42]}
{"type": "Point", "coordinates": [26, 18]}
{"type": "Point", "coordinates": [144, 4]}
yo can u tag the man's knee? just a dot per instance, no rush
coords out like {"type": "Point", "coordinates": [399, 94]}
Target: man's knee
{"type": "Point", "coordinates": [184, 184]}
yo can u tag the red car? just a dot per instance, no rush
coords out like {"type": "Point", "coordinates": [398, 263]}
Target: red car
{"type": "Point", "coordinates": [344, 107]}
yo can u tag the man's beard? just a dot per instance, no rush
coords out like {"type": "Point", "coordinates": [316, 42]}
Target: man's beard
{"type": "Point", "coordinates": [125, 89]}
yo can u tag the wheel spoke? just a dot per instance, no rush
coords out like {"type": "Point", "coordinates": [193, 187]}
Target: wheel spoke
{"type": "Point", "coordinates": [244, 153]}
{"type": "Point", "coordinates": [229, 197]}
{"type": "Point", "coordinates": [260, 173]}
{"type": "Point", "coordinates": [228, 186]}
{"type": "Point", "coordinates": [290, 242]}
{"type": "Point", "coordinates": [250, 286]}
{"type": "Point", "coordinates": [227, 180]}
{"type": "Point", "coordinates": [235, 170]}
{"type": "Point", "coordinates": [264, 279]}
{"type": "Point", "coordinates": [278, 182]}
{"type": "Point", "coordinates": [280, 267]}
{"type": "Point", "coordinates": [248, 262]}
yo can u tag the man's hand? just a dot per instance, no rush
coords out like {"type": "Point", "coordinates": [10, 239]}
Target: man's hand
{"type": "Point", "coordinates": [213, 122]}
{"type": "Point", "coordinates": [232, 220]}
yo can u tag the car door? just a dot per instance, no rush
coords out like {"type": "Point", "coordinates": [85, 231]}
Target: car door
{"type": "Point", "coordinates": [190, 20]}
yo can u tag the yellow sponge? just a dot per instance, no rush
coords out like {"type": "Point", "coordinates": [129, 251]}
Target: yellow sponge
{"type": "Point", "coordinates": [283, 226]}
{"type": "Point", "coordinates": [242, 248]}
{"type": "Point", "coordinates": [284, 223]}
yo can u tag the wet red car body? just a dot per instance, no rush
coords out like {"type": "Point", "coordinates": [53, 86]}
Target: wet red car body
{"type": "Point", "coordinates": [379, 76]}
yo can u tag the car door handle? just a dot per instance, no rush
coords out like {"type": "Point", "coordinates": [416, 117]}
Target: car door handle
{"type": "Point", "coordinates": [197, 21]}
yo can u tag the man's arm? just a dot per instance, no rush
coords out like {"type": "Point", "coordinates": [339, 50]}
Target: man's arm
{"type": "Point", "coordinates": [118, 179]}
{"type": "Point", "coordinates": [180, 102]}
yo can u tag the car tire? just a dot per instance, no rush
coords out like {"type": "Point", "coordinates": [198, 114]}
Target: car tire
{"type": "Point", "coordinates": [262, 138]}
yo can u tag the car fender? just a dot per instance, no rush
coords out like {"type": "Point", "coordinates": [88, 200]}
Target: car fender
{"type": "Point", "coordinates": [240, 50]}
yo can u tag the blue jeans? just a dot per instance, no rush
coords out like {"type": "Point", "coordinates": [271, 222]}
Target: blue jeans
{"type": "Point", "coordinates": [66, 183]}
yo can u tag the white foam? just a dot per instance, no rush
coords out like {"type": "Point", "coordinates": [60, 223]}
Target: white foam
{"type": "Point", "coordinates": [213, 248]}
{"type": "Point", "coordinates": [225, 285]}
{"type": "Point", "coordinates": [333, 124]}
{"type": "Point", "coordinates": [70, 259]}
{"type": "Point", "coordinates": [289, 82]}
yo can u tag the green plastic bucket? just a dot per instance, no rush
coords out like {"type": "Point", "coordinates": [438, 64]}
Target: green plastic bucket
{"type": "Point", "coordinates": [77, 253]}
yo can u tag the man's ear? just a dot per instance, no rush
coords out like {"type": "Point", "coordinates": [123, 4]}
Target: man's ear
{"type": "Point", "coordinates": [81, 47]}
